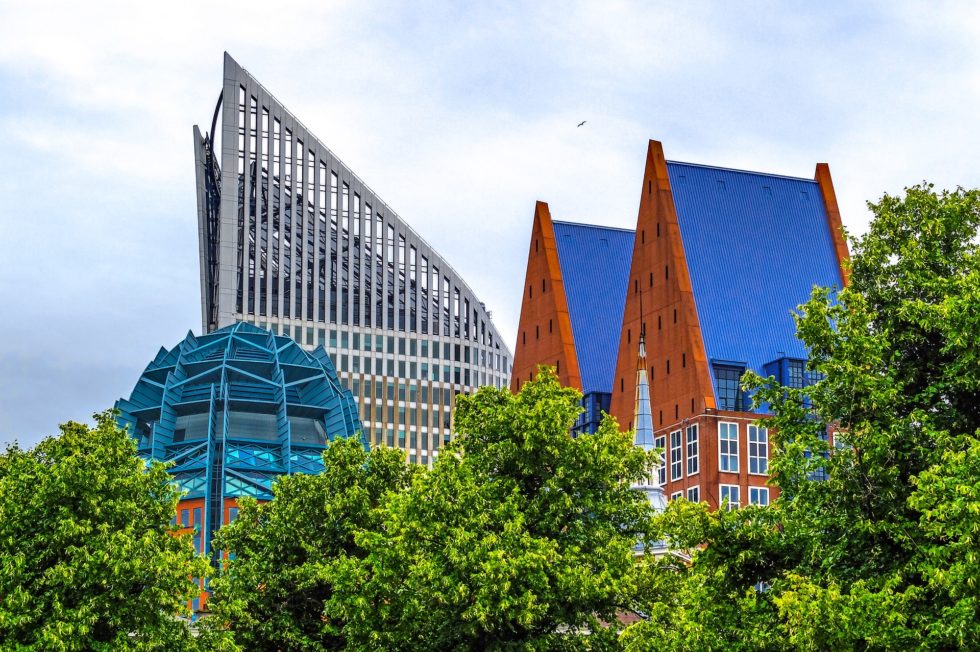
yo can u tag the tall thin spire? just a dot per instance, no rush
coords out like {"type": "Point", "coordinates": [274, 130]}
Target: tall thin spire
{"type": "Point", "coordinates": [643, 420]}
{"type": "Point", "coordinates": [642, 416]}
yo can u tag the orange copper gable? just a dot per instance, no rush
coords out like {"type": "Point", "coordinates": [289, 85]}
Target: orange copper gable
{"type": "Point", "coordinates": [822, 177]}
{"type": "Point", "coordinates": [544, 336]}
{"type": "Point", "coordinates": [680, 382]}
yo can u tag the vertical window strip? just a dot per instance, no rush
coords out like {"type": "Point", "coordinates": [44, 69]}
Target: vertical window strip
{"type": "Point", "coordinates": [253, 147]}
{"type": "Point", "coordinates": [263, 249]}
{"type": "Point", "coordinates": [332, 261]}
{"type": "Point", "coordinates": [445, 305]}
{"type": "Point", "coordinates": [368, 267]}
{"type": "Point", "coordinates": [692, 449]}
{"type": "Point", "coordinates": [298, 219]}
{"type": "Point", "coordinates": [311, 225]}
{"type": "Point", "coordinates": [758, 450]}
{"type": "Point", "coordinates": [356, 263]}
{"type": "Point", "coordinates": [321, 191]}
{"type": "Point", "coordinates": [390, 254]}
{"type": "Point", "coordinates": [424, 296]}
{"type": "Point", "coordinates": [276, 272]}
{"type": "Point", "coordinates": [401, 282]}
{"type": "Point", "coordinates": [379, 271]}
{"type": "Point", "coordinates": [676, 454]}
{"type": "Point", "coordinates": [661, 443]}
{"type": "Point", "coordinates": [287, 227]}
{"type": "Point", "coordinates": [728, 447]}
{"type": "Point", "coordinates": [240, 250]}
{"type": "Point", "coordinates": [412, 289]}
{"type": "Point", "coordinates": [344, 261]}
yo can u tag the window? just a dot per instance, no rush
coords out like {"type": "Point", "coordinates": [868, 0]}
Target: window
{"type": "Point", "coordinates": [796, 368]}
{"type": "Point", "coordinates": [661, 443]}
{"type": "Point", "coordinates": [758, 450]}
{"type": "Point", "coordinates": [729, 493]}
{"type": "Point", "coordinates": [728, 447]}
{"type": "Point", "coordinates": [676, 465]}
{"type": "Point", "coordinates": [694, 494]}
{"type": "Point", "coordinates": [730, 395]}
{"type": "Point", "coordinates": [692, 449]}
{"type": "Point", "coordinates": [759, 496]}
{"type": "Point", "coordinates": [676, 495]}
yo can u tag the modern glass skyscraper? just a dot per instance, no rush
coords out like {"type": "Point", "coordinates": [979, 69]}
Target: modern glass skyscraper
{"type": "Point", "coordinates": [292, 240]}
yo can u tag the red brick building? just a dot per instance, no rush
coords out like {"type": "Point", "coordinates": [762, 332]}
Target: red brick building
{"type": "Point", "coordinates": [719, 259]}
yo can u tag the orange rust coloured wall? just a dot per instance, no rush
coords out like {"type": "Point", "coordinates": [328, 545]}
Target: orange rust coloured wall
{"type": "Point", "coordinates": [544, 335]}
{"type": "Point", "coordinates": [680, 382]}
{"type": "Point", "coordinates": [189, 505]}
{"type": "Point", "coordinates": [822, 177]}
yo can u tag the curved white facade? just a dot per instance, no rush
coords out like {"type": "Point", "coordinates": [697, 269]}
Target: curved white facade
{"type": "Point", "coordinates": [292, 240]}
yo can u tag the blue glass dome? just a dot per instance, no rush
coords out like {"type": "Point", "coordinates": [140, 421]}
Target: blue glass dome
{"type": "Point", "coordinates": [233, 410]}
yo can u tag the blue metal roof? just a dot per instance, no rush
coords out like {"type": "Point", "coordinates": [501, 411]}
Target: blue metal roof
{"type": "Point", "coordinates": [755, 244]}
{"type": "Point", "coordinates": [595, 268]}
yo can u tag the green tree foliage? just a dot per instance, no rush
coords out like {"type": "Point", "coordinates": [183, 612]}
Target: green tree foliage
{"type": "Point", "coordinates": [88, 560]}
{"type": "Point", "coordinates": [288, 555]}
{"type": "Point", "coordinates": [883, 554]}
{"type": "Point", "coordinates": [520, 537]}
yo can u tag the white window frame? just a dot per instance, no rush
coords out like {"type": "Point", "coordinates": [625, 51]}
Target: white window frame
{"type": "Point", "coordinates": [676, 495]}
{"type": "Point", "coordinates": [661, 444]}
{"type": "Point", "coordinates": [692, 450]}
{"type": "Point", "coordinates": [759, 493]}
{"type": "Point", "coordinates": [731, 454]}
{"type": "Point", "coordinates": [696, 491]}
{"type": "Point", "coordinates": [728, 491]}
{"type": "Point", "coordinates": [676, 461]}
{"type": "Point", "coordinates": [758, 441]}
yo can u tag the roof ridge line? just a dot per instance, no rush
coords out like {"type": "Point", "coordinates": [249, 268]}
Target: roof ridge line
{"type": "Point", "coordinates": [595, 226]}
{"type": "Point", "coordinates": [741, 171]}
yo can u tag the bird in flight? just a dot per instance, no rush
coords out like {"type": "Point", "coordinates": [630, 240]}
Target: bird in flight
{"type": "Point", "coordinates": [581, 123]}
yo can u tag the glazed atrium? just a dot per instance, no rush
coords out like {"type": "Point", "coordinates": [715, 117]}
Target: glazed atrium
{"type": "Point", "coordinates": [293, 241]}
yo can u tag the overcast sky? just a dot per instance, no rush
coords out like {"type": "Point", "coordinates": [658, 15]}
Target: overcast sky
{"type": "Point", "coordinates": [460, 118]}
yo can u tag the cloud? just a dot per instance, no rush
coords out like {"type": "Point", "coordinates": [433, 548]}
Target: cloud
{"type": "Point", "coordinates": [459, 115]}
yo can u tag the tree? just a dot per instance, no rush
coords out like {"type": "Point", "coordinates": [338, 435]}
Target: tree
{"type": "Point", "coordinates": [88, 559]}
{"type": "Point", "coordinates": [520, 537]}
{"type": "Point", "coordinates": [287, 556]}
{"type": "Point", "coordinates": [883, 553]}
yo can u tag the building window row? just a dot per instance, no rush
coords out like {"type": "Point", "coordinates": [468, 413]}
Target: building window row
{"type": "Point", "coordinates": [729, 496]}
{"type": "Point", "coordinates": [473, 356]}
{"type": "Point", "coordinates": [729, 445]}
{"type": "Point", "coordinates": [684, 445]}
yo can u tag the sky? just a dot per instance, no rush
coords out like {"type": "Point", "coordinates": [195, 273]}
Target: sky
{"type": "Point", "coordinates": [459, 115]}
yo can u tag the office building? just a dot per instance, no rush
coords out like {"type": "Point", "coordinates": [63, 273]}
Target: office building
{"type": "Point", "coordinates": [293, 241]}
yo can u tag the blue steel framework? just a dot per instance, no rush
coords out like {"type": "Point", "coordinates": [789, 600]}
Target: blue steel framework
{"type": "Point", "coordinates": [233, 410]}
